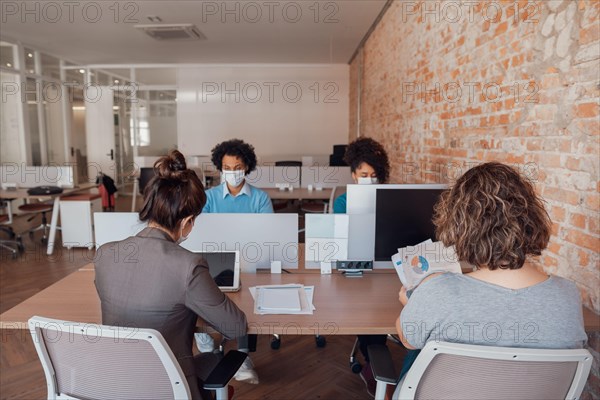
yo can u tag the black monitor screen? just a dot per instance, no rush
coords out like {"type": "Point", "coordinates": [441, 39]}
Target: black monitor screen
{"type": "Point", "coordinates": [403, 218]}
{"type": "Point", "coordinates": [221, 266]}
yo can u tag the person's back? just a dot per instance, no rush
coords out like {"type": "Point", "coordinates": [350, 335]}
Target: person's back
{"type": "Point", "coordinates": [495, 221]}
{"type": "Point", "coordinates": [463, 309]}
{"type": "Point", "coordinates": [149, 281]}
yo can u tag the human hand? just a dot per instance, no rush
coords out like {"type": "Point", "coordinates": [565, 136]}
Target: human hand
{"type": "Point", "coordinates": [402, 296]}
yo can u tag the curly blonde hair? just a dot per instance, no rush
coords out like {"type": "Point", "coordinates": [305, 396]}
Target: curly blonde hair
{"type": "Point", "coordinates": [493, 217]}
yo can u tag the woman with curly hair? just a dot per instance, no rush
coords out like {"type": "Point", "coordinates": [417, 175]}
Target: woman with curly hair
{"type": "Point", "coordinates": [368, 163]}
{"type": "Point", "coordinates": [235, 159]}
{"type": "Point", "coordinates": [496, 222]}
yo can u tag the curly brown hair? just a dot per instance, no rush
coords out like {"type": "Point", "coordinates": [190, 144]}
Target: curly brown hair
{"type": "Point", "coordinates": [369, 151]}
{"type": "Point", "coordinates": [493, 217]}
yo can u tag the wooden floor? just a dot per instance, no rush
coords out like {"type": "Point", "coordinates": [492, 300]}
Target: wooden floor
{"type": "Point", "coordinates": [298, 370]}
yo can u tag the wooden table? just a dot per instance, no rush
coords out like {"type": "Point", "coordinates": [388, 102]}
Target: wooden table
{"type": "Point", "coordinates": [343, 305]}
{"type": "Point", "coordinates": [22, 194]}
{"type": "Point", "coordinates": [298, 194]}
{"type": "Point", "coordinates": [348, 306]}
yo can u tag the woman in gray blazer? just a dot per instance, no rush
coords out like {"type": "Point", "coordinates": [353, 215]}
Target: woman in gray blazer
{"type": "Point", "coordinates": [149, 281]}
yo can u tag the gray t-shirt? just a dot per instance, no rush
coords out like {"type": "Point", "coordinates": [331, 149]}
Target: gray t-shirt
{"type": "Point", "coordinates": [460, 309]}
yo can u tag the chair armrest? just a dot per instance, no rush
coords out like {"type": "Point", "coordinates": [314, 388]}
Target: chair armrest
{"type": "Point", "coordinates": [382, 364]}
{"type": "Point", "coordinates": [225, 370]}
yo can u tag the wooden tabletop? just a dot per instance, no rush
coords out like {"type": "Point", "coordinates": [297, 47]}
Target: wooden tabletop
{"type": "Point", "coordinates": [367, 305]}
{"type": "Point", "coordinates": [298, 194]}
{"type": "Point", "coordinates": [22, 193]}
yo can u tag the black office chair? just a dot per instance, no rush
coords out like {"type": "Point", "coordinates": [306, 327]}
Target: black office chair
{"type": "Point", "coordinates": [145, 175]}
{"type": "Point", "coordinates": [13, 243]}
{"type": "Point", "coordinates": [288, 163]}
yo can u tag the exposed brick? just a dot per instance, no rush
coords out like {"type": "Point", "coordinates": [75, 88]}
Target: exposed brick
{"type": "Point", "coordinates": [582, 239]}
{"type": "Point", "coordinates": [577, 220]}
{"type": "Point", "coordinates": [556, 125]}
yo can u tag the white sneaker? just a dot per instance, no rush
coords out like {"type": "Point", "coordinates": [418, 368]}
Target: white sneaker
{"type": "Point", "coordinates": [246, 373]}
{"type": "Point", "coordinates": [204, 342]}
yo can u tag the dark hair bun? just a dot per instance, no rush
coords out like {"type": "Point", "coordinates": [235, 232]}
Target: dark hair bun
{"type": "Point", "coordinates": [171, 165]}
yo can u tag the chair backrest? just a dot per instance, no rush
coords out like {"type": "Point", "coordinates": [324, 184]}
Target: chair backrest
{"type": "Point", "coordinates": [288, 163]}
{"type": "Point", "coordinates": [7, 204]}
{"type": "Point", "coordinates": [335, 193]}
{"type": "Point", "coordinates": [88, 361]}
{"type": "Point", "coordinates": [462, 371]}
{"type": "Point", "coordinates": [145, 175]}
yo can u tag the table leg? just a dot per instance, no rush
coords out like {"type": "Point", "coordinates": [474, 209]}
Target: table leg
{"type": "Point", "coordinates": [134, 197]}
{"type": "Point", "coordinates": [52, 236]}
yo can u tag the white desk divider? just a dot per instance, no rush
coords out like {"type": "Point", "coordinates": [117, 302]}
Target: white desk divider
{"type": "Point", "coordinates": [326, 176]}
{"type": "Point", "coordinates": [28, 176]}
{"type": "Point", "coordinates": [326, 238]}
{"type": "Point", "coordinates": [260, 238]}
{"type": "Point", "coordinates": [269, 176]}
{"type": "Point", "coordinates": [113, 226]}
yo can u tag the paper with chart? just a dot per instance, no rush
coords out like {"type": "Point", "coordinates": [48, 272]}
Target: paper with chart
{"type": "Point", "coordinates": [414, 263]}
{"type": "Point", "coordinates": [283, 299]}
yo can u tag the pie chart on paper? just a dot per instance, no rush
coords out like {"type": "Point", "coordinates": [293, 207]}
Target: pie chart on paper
{"type": "Point", "coordinates": [419, 264]}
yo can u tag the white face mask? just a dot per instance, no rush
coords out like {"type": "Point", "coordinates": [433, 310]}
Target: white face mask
{"type": "Point", "coordinates": [234, 178]}
{"type": "Point", "coordinates": [181, 237]}
{"type": "Point", "coordinates": [366, 180]}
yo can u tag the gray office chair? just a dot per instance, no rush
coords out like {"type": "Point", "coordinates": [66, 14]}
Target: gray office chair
{"type": "Point", "coordinates": [87, 361]}
{"type": "Point", "coordinates": [446, 371]}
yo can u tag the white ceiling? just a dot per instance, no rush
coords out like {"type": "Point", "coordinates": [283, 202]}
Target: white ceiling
{"type": "Point", "coordinates": [273, 38]}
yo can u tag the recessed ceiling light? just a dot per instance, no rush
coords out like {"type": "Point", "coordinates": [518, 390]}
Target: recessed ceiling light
{"type": "Point", "coordinates": [31, 71]}
{"type": "Point", "coordinates": [82, 71]}
{"type": "Point", "coordinates": [8, 65]}
{"type": "Point", "coordinates": [116, 81]}
{"type": "Point", "coordinates": [29, 55]}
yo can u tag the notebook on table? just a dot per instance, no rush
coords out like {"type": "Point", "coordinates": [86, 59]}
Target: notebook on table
{"type": "Point", "coordinates": [224, 267]}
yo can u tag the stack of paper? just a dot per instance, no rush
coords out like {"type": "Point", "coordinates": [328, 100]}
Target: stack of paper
{"type": "Point", "coordinates": [283, 299]}
{"type": "Point", "coordinates": [414, 263]}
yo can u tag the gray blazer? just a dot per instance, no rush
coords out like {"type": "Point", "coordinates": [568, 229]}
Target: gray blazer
{"type": "Point", "coordinates": [149, 281]}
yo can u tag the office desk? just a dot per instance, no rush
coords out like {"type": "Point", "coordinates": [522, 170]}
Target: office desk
{"type": "Point", "coordinates": [344, 306]}
{"type": "Point", "coordinates": [22, 194]}
{"type": "Point", "coordinates": [298, 194]}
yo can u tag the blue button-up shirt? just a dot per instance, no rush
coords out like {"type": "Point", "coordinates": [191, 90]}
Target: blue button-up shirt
{"type": "Point", "coordinates": [249, 200]}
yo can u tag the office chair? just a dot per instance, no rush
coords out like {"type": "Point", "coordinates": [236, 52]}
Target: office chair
{"type": "Point", "coordinates": [88, 361]}
{"type": "Point", "coordinates": [322, 206]}
{"type": "Point", "coordinates": [13, 244]}
{"type": "Point", "coordinates": [465, 371]}
{"type": "Point", "coordinates": [35, 209]}
{"type": "Point", "coordinates": [288, 163]}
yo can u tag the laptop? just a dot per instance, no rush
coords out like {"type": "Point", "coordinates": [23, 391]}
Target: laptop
{"type": "Point", "coordinates": [224, 267]}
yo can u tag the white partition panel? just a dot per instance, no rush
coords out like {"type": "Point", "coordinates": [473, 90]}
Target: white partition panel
{"type": "Point", "coordinates": [113, 226]}
{"type": "Point", "coordinates": [269, 176]}
{"type": "Point", "coordinates": [326, 176]}
{"type": "Point", "coordinates": [27, 176]}
{"type": "Point", "coordinates": [260, 238]}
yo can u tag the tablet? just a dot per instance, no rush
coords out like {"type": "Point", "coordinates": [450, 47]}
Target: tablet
{"type": "Point", "coordinates": [224, 267]}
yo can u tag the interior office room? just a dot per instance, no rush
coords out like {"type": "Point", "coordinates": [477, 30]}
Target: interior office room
{"type": "Point", "coordinates": [94, 93]}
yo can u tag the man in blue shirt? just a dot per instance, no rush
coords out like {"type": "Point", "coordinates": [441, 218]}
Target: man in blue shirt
{"type": "Point", "coordinates": [236, 159]}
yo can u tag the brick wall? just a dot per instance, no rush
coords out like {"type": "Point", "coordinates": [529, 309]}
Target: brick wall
{"type": "Point", "coordinates": [446, 85]}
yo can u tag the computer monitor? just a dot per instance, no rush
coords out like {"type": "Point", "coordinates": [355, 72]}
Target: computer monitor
{"type": "Point", "coordinates": [403, 217]}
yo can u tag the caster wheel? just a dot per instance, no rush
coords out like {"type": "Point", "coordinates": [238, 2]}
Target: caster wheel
{"type": "Point", "coordinates": [320, 341]}
{"type": "Point", "coordinates": [355, 367]}
{"type": "Point", "coordinates": [44, 240]}
{"type": "Point", "coordinates": [275, 343]}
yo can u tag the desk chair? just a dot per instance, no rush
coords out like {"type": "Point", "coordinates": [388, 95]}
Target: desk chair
{"type": "Point", "coordinates": [87, 361]}
{"type": "Point", "coordinates": [13, 244]}
{"type": "Point", "coordinates": [464, 371]}
{"type": "Point", "coordinates": [35, 209]}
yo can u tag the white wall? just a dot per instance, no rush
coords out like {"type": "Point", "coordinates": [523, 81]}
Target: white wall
{"type": "Point", "coordinates": [279, 109]}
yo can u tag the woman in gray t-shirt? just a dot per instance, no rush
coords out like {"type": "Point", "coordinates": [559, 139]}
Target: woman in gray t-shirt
{"type": "Point", "coordinates": [495, 221]}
